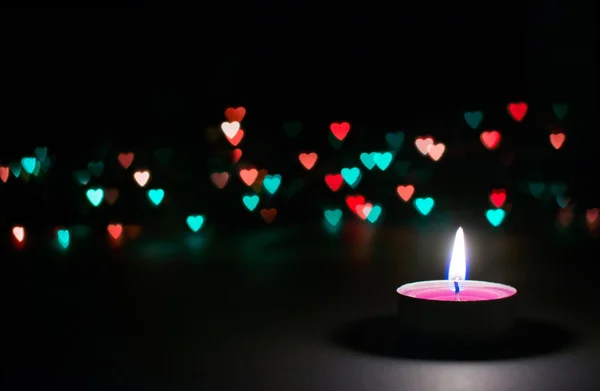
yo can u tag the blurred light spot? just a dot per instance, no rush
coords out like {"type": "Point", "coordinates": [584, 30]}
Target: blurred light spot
{"type": "Point", "coordinates": [195, 222]}
{"type": "Point", "coordinates": [95, 196]}
{"type": "Point", "coordinates": [271, 183]}
{"type": "Point", "coordinates": [236, 155]}
{"type": "Point", "coordinates": [333, 217]}
{"type": "Point", "coordinates": [490, 139]}
{"type": "Point", "coordinates": [156, 196]}
{"type": "Point", "coordinates": [268, 215]}
{"type": "Point", "coordinates": [473, 118]}
{"type": "Point", "coordinates": [423, 144]}
{"type": "Point", "coordinates": [495, 216]}
{"type": "Point", "coordinates": [557, 140]}
{"type": "Point", "coordinates": [340, 130]}
{"type": "Point", "coordinates": [141, 177]}
{"type": "Point", "coordinates": [351, 175]}
{"type": "Point", "coordinates": [83, 177]}
{"type": "Point", "coordinates": [235, 114]}
{"type": "Point", "coordinates": [354, 201]}
{"type": "Point", "coordinates": [251, 201]}
{"type": "Point", "coordinates": [537, 189]}
{"type": "Point", "coordinates": [63, 238]}
{"type": "Point", "coordinates": [436, 151]}
{"type": "Point", "coordinates": [235, 140]}
{"type": "Point", "coordinates": [591, 217]}
{"type": "Point", "coordinates": [383, 160]}
{"type": "Point", "coordinates": [115, 230]}
{"type": "Point", "coordinates": [334, 181]}
{"type": "Point", "coordinates": [230, 129]}
{"type": "Point", "coordinates": [126, 159]}
{"type": "Point", "coordinates": [96, 168]}
{"type": "Point", "coordinates": [19, 233]}
{"type": "Point", "coordinates": [4, 173]}
{"type": "Point", "coordinates": [560, 110]}
{"type": "Point", "coordinates": [111, 196]}
{"type": "Point", "coordinates": [424, 205]}
{"type": "Point", "coordinates": [220, 179]}
{"type": "Point", "coordinates": [562, 201]}
{"type": "Point", "coordinates": [368, 160]}
{"type": "Point", "coordinates": [517, 110]}
{"type": "Point", "coordinates": [498, 197]}
{"type": "Point", "coordinates": [394, 140]}
{"type": "Point", "coordinates": [308, 160]}
{"type": "Point", "coordinates": [28, 164]}
{"type": "Point", "coordinates": [248, 176]}
{"type": "Point", "coordinates": [405, 192]}
{"type": "Point", "coordinates": [565, 217]}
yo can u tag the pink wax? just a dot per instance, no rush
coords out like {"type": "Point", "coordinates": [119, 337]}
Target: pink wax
{"type": "Point", "coordinates": [444, 290]}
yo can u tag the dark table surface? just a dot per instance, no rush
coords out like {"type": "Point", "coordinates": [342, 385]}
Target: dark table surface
{"type": "Point", "coordinates": [288, 309]}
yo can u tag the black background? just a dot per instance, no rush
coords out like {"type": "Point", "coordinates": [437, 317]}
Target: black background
{"type": "Point", "coordinates": [139, 76]}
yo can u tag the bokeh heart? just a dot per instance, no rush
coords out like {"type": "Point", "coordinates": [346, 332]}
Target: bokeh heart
{"type": "Point", "coordinates": [308, 160]}
{"type": "Point", "coordinates": [340, 130]}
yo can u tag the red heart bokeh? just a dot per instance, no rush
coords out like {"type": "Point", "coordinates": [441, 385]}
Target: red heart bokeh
{"type": "Point", "coordinates": [334, 181]}
{"type": "Point", "coordinates": [237, 114]}
{"type": "Point", "coordinates": [354, 201]}
{"type": "Point", "coordinates": [340, 130]}
{"type": "Point", "coordinates": [498, 197]}
{"type": "Point", "coordinates": [517, 110]}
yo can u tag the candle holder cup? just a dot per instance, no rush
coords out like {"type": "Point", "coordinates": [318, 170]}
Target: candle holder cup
{"type": "Point", "coordinates": [450, 322]}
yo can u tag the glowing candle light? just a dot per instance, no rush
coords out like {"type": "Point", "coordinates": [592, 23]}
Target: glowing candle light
{"type": "Point", "coordinates": [457, 306]}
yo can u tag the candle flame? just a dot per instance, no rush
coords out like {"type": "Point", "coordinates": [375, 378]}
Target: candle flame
{"type": "Point", "coordinates": [458, 262]}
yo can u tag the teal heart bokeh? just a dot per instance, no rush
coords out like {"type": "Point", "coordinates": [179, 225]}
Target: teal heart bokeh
{"type": "Point", "coordinates": [272, 182]}
{"type": "Point", "coordinates": [37, 168]}
{"type": "Point", "coordinates": [537, 189]}
{"type": "Point", "coordinates": [156, 196]}
{"type": "Point", "coordinates": [351, 176]}
{"type": "Point", "coordinates": [374, 213]}
{"type": "Point", "coordinates": [292, 128]}
{"type": "Point", "coordinates": [95, 196]}
{"type": "Point", "coordinates": [195, 222]}
{"type": "Point", "coordinates": [41, 153]}
{"type": "Point", "coordinates": [15, 168]}
{"type": "Point", "coordinates": [46, 164]}
{"type": "Point", "coordinates": [28, 164]}
{"type": "Point", "coordinates": [83, 177]}
{"type": "Point", "coordinates": [368, 160]}
{"type": "Point", "coordinates": [383, 160]}
{"type": "Point", "coordinates": [562, 201]}
{"type": "Point", "coordinates": [401, 167]}
{"type": "Point", "coordinates": [473, 118]}
{"type": "Point", "coordinates": [424, 205]}
{"type": "Point", "coordinates": [333, 216]}
{"type": "Point", "coordinates": [558, 188]}
{"type": "Point", "coordinates": [64, 238]}
{"type": "Point", "coordinates": [495, 216]}
{"type": "Point", "coordinates": [395, 140]}
{"type": "Point", "coordinates": [96, 168]}
{"type": "Point", "coordinates": [250, 201]}
{"type": "Point", "coordinates": [560, 110]}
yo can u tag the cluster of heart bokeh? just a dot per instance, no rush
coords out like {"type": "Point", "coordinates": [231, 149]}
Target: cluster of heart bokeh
{"type": "Point", "coordinates": [261, 181]}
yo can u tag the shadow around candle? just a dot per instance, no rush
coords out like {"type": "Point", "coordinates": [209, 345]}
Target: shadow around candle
{"type": "Point", "coordinates": [382, 336]}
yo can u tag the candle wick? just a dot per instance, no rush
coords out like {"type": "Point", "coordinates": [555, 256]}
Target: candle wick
{"type": "Point", "coordinates": [456, 290]}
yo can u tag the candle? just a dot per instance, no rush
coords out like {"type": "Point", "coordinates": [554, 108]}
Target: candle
{"type": "Point", "coordinates": [457, 306]}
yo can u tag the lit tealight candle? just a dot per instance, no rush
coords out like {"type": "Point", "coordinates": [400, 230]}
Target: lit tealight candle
{"type": "Point", "coordinates": [457, 306]}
